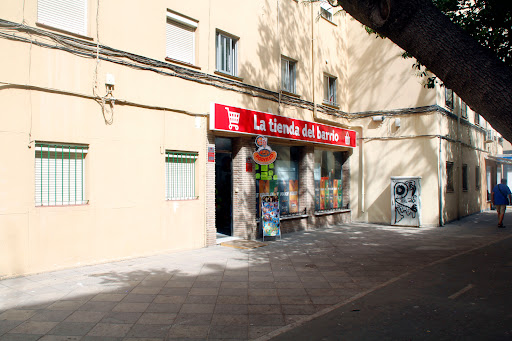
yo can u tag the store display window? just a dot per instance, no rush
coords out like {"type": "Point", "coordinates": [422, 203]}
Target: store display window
{"type": "Point", "coordinates": [281, 178]}
{"type": "Point", "coordinates": [328, 180]}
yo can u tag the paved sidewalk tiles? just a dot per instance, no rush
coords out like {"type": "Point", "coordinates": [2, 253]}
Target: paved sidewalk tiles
{"type": "Point", "coordinates": [224, 292]}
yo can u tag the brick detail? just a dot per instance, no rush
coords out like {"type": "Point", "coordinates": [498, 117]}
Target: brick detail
{"type": "Point", "coordinates": [244, 190]}
{"type": "Point", "coordinates": [211, 231]}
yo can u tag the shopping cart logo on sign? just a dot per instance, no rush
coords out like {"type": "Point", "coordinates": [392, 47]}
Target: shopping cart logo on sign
{"type": "Point", "coordinates": [234, 118]}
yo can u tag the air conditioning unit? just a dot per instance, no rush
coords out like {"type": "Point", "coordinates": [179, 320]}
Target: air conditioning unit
{"type": "Point", "coordinates": [489, 134]}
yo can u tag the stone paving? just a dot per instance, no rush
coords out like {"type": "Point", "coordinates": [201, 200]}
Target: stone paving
{"type": "Point", "coordinates": [222, 293]}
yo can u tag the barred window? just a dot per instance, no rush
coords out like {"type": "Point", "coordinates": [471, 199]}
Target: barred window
{"type": "Point", "coordinates": [464, 177]}
{"type": "Point", "coordinates": [449, 177]}
{"type": "Point", "coordinates": [477, 177]}
{"type": "Point", "coordinates": [180, 175]}
{"type": "Point", "coordinates": [59, 174]}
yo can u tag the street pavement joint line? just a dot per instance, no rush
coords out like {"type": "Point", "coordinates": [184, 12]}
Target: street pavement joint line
{"type": "Point", "coordinates": [461, 291]}
{"type": "Point", "coordinates": [325, 311]}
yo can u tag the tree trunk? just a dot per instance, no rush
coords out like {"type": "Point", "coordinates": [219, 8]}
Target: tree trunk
{"type": "Point", "coordinates": [474, 73]}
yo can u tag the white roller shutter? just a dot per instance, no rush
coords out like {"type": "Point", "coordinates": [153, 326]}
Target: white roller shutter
{"type": "Point", "coordinates": [68, 15]}
{"type": "Point", "coordinates": [180, 38]}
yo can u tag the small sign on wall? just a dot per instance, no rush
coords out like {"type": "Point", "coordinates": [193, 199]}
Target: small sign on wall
{"type": "Point", "coordinates": [248, 165]}
{"type": "Point", "coordinates": [211, 154]}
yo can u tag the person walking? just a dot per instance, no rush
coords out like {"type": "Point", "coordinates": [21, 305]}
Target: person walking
{"type": "Point", "coordinates": [501, 197]}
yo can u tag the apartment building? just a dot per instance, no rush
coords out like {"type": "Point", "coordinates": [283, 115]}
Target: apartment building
{"type": "Point", "coordinates": [131, 130]}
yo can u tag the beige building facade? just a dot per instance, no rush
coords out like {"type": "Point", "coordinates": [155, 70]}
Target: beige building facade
{"type": "Point", "coordinates": [109, 150]}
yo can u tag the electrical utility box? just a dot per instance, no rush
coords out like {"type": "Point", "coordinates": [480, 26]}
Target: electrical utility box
{"type": "Point", "coordinates": [406, 200]}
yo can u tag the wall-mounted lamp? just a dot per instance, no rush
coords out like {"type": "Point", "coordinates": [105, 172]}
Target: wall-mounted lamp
{"type": "Point", "coordinates": [397, 122]}
{"type": "Point", "coordinates": [379, 118]}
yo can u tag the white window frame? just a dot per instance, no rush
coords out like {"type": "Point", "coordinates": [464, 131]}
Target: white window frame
{"type": "Point", "coordinates": [180, 175]}
{"type": "Point", "coordinates": [66, 15]}
{"type": "Point", "coordinates": [330, 91]}
{"type": "Point", "coordinates": [180, 38]}
{"type": "Point", "coordinates": [326, 11]}
{"type": "Point", "coordinates": [60, 174]}
{"type": "Point", "coordinates": [289, 75]}
{"type": "Point", "coordinates": [227, 54]}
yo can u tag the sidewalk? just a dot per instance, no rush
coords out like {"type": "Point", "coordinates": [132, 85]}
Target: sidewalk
{"type": "Point", "coordinates": [229, 293]}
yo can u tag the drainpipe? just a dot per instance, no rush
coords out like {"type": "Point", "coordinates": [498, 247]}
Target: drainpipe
{"type": "Point", "coordinates": [313, 60]}
{"type": "Point", "coordinates": [459, 166]}
{"type": "Point", "coordinates": [440, 181]}
{"type": "Point", "coordinates": [362, 205]}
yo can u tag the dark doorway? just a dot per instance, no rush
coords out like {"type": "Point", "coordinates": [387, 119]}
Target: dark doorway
{"type": "Point", "coordinates": [223, 186]}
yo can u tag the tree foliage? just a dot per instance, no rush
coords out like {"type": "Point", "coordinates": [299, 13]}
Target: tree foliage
{"type": "Point", "coordinates": [488, 21]}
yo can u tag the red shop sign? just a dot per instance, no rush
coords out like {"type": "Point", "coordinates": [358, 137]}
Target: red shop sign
{"type": "Point", "coordinates": [243, 121]}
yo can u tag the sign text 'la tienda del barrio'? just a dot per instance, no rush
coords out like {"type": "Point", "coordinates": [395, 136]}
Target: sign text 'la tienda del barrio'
{"type": "Point", "coordinates": [244, 121]}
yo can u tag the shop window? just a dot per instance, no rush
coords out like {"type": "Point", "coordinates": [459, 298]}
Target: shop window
{"type": "Point", "coordinates": [464, 177]}
{"type": "Point", "coordinates": [59, 174]}
{"type": "Point", "coordinates": [226, 49]}
{"type": "Point", "coordinates": [330, 90]}
{"type": "Point", "coordinates": [449, 177]}
{"type": "Point", "coordinates": [448, 98]}
{"type": "Point", "coordinates": [67, 15]}
{"type": "Point", "coordinates": [477, 177]}
{"type": "Point", "coordinates": [281, 178]}
{"type": "Point", "coordinates": [180, 168]}
{"type": "Point", "coordinates": [288, 75]}
{"type": "Point", "coordinates": [328, 179]}
{"type": "Point", "coordinates": [180, 38]}
{"type": "Point", "coordinates": [326, 10]}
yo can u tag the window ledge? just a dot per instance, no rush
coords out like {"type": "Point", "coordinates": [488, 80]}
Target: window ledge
{"type": "Point", "coordinates": [291, 94]}
{"type": "Point", "coordinates": [175, 61]}
{"type": "Point", "coordinates": [331, 105]}
{"type": "Point", "coordinates": [223, 74]}
{"type": "Point", "coordinates": [329, 21]}
{"type": "Point", "coordinates": [345, 210]}
{"type": "Point", "coordinates": [182, 199]}
{"type": "Point", "coordinates": [60, 30]}
{"type": "Point", "coordinates": [85, 203]}
{"type": "Point", "coordinates": [291, 217]}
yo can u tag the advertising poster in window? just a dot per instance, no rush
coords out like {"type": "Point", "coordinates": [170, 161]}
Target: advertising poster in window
{"type": "Point", "coordinates": [270, 216]}
{"type": "Point", "coordinates": [294, 196]}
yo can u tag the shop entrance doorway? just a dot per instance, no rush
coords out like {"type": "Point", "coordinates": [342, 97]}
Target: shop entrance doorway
{"type": "Point", "coordinates": [223, 186]}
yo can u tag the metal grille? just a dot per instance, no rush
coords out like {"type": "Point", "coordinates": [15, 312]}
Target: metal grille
{"type": "Point", "coordinates": [59, 174]}
{"type": "Point", "coordinates": [180, 176]}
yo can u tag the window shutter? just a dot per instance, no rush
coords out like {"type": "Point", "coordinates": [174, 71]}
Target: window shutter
{"type": "Point", "coordinates": [180, 42]}
{"type": "Point", "coordinates": [68, 15]}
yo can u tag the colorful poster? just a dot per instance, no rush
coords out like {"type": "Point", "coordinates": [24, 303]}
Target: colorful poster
{"type": "Point", "coordinates": [284, 197]}
{"type": "Point", "coordinates": [270, 216]}
{"type": "Point", "coordinates": [293, 196]}
{"type": "Point", "coordinates": [340, 194]}
{"type": "Point", "coordinates": [335, 193]}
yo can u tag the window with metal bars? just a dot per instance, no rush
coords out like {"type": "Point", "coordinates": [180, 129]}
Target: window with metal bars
{"type": "Point", "coordinates": [180, 175]}
{"type": "Point", "coordinates": [59, 174]}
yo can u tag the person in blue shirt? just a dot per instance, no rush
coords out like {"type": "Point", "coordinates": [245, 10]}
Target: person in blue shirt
{"type": "Point", "coordinates": [501, 197]}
